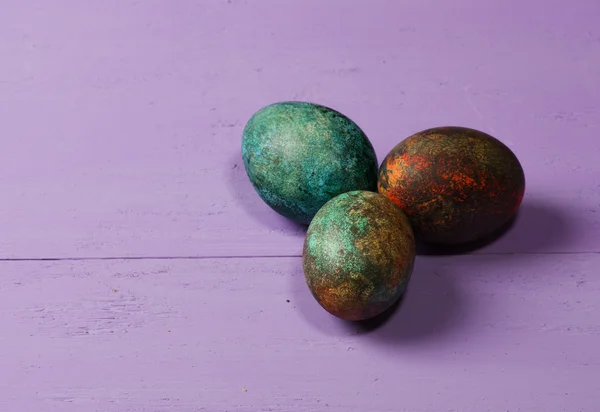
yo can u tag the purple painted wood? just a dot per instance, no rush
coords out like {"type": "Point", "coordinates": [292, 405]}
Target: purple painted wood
{"type": "Point", "coordinates": [498, 333]}
{"type": "Point", "coordinates": [120, 127]}
{"type": "Point", "coordinates": [121, 121]}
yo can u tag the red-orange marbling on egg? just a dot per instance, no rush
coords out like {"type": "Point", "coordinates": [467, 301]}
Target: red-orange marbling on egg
{"type": "Point", "coordinates": [455, 184]}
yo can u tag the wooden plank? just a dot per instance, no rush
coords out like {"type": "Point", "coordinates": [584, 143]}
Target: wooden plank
{"type": "Point", "coordinates": [120, 121]}
{"type": "Point", "coordinates": [474, 333]}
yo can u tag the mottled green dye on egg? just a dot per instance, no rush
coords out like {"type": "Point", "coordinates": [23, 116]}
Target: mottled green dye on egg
{"type": "Point", "coordinates": [299, 155]}
{"type": "Point", "coordinates": [358, 255]}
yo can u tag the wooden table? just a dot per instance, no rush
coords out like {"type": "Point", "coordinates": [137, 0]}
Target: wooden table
{"type": "Point", "coordinates": [141, 272]}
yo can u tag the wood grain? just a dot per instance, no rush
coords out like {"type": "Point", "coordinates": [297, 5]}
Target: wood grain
{"type": "Point", "coordinates": [219, 334]}
{"type": "Point", "coordinates": [120, 128]}
{"type": "Point", "coordinates": [121, 123]}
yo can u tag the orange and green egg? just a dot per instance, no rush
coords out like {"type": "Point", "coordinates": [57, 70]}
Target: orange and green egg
{"type": "Point", "coordinates": [358, 255]}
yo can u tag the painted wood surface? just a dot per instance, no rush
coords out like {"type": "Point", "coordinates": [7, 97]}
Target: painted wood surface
{"type": "Point", "coordinates": [121, 120]}
{"type": "Point", "coordinates": [473, 333]}
{"type": "Point", "coordinates": [120, 128]}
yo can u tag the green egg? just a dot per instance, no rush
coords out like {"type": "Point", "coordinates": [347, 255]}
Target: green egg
{"type": "Point", "coordinates": [358, 255]}
{"type": "Point", "coordinates": [299, 155]}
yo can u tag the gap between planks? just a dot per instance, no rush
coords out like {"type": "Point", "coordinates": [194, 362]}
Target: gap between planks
{"type": "Point", "coordinates": [207, 257]}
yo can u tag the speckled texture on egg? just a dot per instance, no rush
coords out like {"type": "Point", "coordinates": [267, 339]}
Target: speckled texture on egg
{"type": "Point", "coordinates": [299, 155]}
{"type": "Point", "coordinates": [456, 184]}
{"type": "Point", "coordinates": [358, 255]}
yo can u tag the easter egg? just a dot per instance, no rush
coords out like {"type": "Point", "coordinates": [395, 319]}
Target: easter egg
{"type": "Point", "coordinates": [358, 255]}
{"type": "Point", "coordinates": [455, 184]}
{"type": "Point", "coordinates": [299, 155]}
